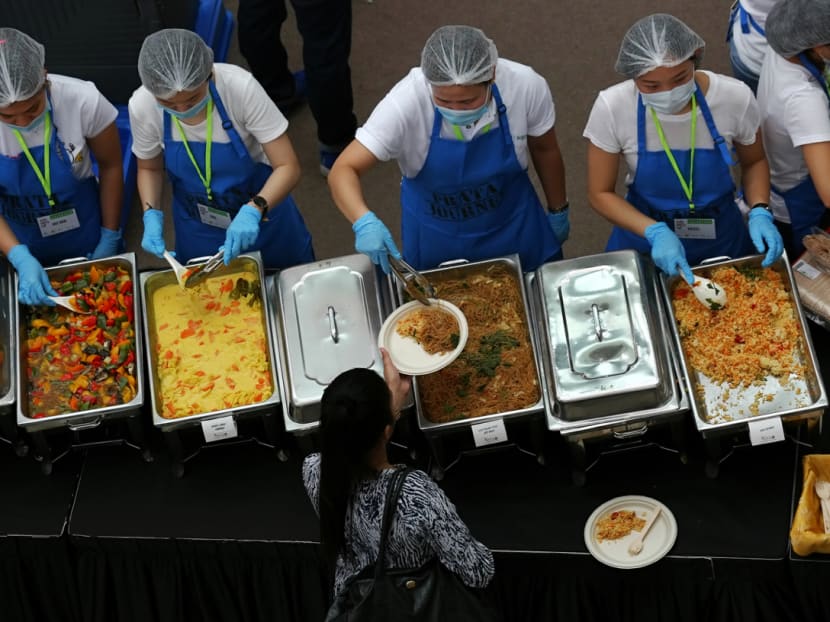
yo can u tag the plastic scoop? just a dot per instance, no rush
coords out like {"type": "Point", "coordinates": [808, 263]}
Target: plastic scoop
{"type": "Point", "coordinates": [178, 269]}
{"type": "Point", "coordinates": [69, 303]}
{"type": "Point", "coordinates": [710, 294]}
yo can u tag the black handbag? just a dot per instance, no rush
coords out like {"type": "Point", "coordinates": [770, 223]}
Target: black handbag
{"type": "Point", "coordinates": [428, 593]}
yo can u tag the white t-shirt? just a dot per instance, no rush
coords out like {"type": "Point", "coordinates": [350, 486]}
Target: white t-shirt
{"type": "Point", "coordinates": [612, 124]}
{"type": "Point", "coordinates": [79, 111]}
{"type": "Point", "coordinates": [400, 126]}
{"type": "Point", "coordinates": [752, 46]}
{"type": "Point", "coordinates": [254, 116]}
{"type": "Point", "coordinates": [794, 112]}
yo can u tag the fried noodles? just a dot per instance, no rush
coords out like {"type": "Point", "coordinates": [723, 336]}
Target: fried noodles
{"type": "Point", "coordinates": [435, 329]}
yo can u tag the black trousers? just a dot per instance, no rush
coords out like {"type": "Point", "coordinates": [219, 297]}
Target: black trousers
{"type": "Point", "coordinates": [326, 30]}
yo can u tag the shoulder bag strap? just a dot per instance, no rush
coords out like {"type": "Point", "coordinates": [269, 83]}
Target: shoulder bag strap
{"type": "Point", "coordinates": [393, 489]}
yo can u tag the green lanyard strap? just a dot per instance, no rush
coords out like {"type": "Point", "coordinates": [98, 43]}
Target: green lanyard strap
{"type": "Point", "coordinates": [460, 136]}
{"type": "Point", "coordinates": [688, 187]}
{"type": "Point", "coordinates": [45, 176]}
{"type": "Point", "coordinates": [206, 177]}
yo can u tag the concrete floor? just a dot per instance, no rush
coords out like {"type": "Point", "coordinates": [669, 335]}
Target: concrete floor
{"type": "Point", "coordinates": [573, 45]}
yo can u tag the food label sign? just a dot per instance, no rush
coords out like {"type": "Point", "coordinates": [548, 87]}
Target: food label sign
{"type": "Point", "coordinates": [219, 429]}
{"type": "Point", "coordinates": [766, 431]}
{"type": "Point", "coordinates": [489, 433]}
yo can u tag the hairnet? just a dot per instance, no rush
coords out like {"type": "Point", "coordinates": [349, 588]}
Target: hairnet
{"type": "Point", "coordinates": [22, 61]}
{"type": "Point", "coordinates": [174, 60]}
{"type": "Point", "coordinates": [458, 55]}
{"type": "Point", "coordinates": [659, 40]}
{"type": "Point", "coordinates": [798, 25]}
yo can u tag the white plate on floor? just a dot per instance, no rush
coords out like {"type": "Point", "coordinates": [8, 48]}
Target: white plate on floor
{"type": "Point", "coordinates": [407, 355]}
{"type": "Point", "coordinates": [614, 553]}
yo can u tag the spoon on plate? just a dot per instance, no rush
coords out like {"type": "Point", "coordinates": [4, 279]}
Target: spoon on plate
{"type": "Point", "coordinates": [823, 492]}
{"type": "Point", "coordinates": [636, 545]}
{"type": "Point", "coordinates": [709, 293]}
{"type": "Point", "coordinates": [69, 303]}
{"type": "Point", "coordinates": [178, 269]}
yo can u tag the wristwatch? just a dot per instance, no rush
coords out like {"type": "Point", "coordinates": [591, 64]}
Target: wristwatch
{"type": "Point", "coordinates": [261, 204]}
{"type": "Point", "coordinates": [558, 210]}
{"type": "Point", "coordinates": [764, 206]}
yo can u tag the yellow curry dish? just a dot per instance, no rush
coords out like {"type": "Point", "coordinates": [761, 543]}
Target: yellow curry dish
{"type": "Point", "coordinates": [211, 350]}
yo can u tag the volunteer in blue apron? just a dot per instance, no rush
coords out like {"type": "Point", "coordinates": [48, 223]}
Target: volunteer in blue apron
{"type": "Point", "coordinates": [679, 130]}
{"type": "Point", "coordinates": [464, 127]}
{"type": "Point", "coordinates": [747, 39]}
{"type": "Point", "coordinates": [224, 146]}
{"type": "Point", "coordinates": [794, 98]}
{"type": "Point", "coordinates": [51, 205]}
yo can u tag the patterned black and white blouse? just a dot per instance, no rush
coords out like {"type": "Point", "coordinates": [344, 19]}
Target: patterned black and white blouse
{"type": "Point", "coordinates": [425, 526]}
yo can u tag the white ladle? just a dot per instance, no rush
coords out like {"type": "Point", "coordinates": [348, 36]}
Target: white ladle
{"type": "Point", "coordinates": [709, 294]}
{"type": "Point", "coordinates": [69, 303]}
{"type": "Point", "coordinates": [178, 269]}
{"type": "Point", "coordinates": [637, 544]}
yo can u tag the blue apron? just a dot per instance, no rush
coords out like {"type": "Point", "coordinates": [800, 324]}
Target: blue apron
{"type": "Point", "coordinates": [283, 238]}
{"type": "Point", "coordinates": [656, 192]}
{"type": "Point", "coordinates": [804, 205]}
{"type": "Point", "coordinates": [747, 21]}
{"type": "Point", "coordinates": [473, 200]}
{"type": "Point", "coordinates": [23, 200]}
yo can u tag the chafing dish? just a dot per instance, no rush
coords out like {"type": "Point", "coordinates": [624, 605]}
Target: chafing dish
{"type": "Point", "coordinates": [800, 398]}
{"type": "Point", "coordinates": [85, 419]}
{"type": "Point", "coordinates": [330, 314]}
{"type": "Point", "coordinates": [151, 282]}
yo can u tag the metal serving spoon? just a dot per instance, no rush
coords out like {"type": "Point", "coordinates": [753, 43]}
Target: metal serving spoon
{"type": "Point", "coordinates": [69, 303]}
{"type": "Point", "coordinates": [637, 544]}
{"type": "Point", "coordinates": [709, 293]}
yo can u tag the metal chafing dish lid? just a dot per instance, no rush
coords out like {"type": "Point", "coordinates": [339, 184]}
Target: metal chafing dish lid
{"type": "Point", "coordinates": [332, 319]}
{"type": "Point", "coordinates": [601, 331]}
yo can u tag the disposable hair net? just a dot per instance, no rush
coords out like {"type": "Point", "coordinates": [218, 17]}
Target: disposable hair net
{"type": "Point", "coordinates": [174, 60]}
{"type": "Point", "coordinates": [798, 25]}
{"type": "Point", "coordinates": [659, 40]}
{"type": "Point", "coordinates": [22, 61]}
{"type": "Point", "coordinates": [458, 55]}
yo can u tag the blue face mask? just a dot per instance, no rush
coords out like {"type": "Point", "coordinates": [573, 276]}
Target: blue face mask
{"type": "Point", "coordinates": [670, 102]}
{"type": "Point", "coordinates": [34, 123]}
{"type": "Point", "coordinates": [190, 112]}
{"type": "Point", "coordinates": [464, 117]}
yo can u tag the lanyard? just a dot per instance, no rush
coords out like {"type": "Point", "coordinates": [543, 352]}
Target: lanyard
{"type": "Point", "coordinates": [206, 177]}
{"type": "Point", "coordinates": [688, 187]}
{"type": "Point", "coordinates": [44, 176]}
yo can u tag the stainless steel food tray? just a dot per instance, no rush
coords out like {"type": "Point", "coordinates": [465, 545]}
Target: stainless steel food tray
{"type": "Point", "coordinates": [150, 283]}
{"type": "Point", "coordinates": [800, 398]}
{"type": "Point", "coordinates": [8, 339]}
{"type": "Point", "coordinates": [93, 417]}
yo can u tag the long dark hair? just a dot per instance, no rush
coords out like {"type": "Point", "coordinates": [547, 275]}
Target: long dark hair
{"type": "Point", "coordinates": [356, 407]}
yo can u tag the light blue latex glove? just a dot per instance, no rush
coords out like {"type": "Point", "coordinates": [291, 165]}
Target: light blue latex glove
{"type": "Point", "coordinates": [153, 239]}
{"type": "Point", "coordinates": [242, 233]}
{"type": "Point", "coordinates": [764, 235]}
{"type": "Point", "coordinates": [667, 251]}
{"type": "Point", "coordinates": [560, 224]}
{"type": "Point", "coordinates": [107, 244]}
{"type": "Point", "coordinates": [372, 238]}
{"type": "Point", "coordinates": [33, 287]}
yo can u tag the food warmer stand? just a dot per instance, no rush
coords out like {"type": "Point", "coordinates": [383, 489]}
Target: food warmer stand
{"type": "Point", "coordinates": [8, 424]}
{"type": "Point", "coordinates": [215, 427]}
{"type": "Point", "coordinates": [611, 374]}
{"type": "Point", "coordinates": [799, 400]}
{"type": "Point", "coordinates": [94, 426]}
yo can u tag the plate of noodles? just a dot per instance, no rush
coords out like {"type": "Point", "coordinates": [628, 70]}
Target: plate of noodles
{"type": "Point", "coordinates": [614, 524]}
{"type": "Point", "coordinates": [422, 339]}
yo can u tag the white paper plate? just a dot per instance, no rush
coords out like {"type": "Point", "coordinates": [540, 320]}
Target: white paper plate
{"type": "Point", "coordinates": [407, 355]}
{"type": "Point", "coordinates": [614, 553]}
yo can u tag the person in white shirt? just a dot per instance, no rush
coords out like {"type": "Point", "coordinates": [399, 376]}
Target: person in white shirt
{"type": "Point", "coordinates": [224, 146]}
{"type": "Point", "coordinates": [747, 39]}
{"type": "Point", "coordinates": [678, 130]}
{"type": "Point", "coordinates": [464, 127]}
{"type": "Point", "coordinates": [794, 100]}
{"type": "Point", "coordinates": [52, 207]}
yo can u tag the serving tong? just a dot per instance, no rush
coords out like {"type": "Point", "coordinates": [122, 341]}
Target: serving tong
{"type": "Point", "coordinates": [415, 283]}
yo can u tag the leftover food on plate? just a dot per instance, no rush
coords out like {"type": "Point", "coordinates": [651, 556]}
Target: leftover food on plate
{"type": "Point", "coordinates": [618, 524]}
{"type": "Point", "coordinates": [211, 350]}
{"type": "Point", "coordinates": [496, 372]}
{"type": "Point", "coordinates": [435, 329]}
{"type": "Point", "coordinates": [81, 362]}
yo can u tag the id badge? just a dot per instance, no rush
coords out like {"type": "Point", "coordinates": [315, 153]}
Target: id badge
{"type": "Point", "coordinates": [695, 228]}
{"type": "Point", "coordinates": [213, 216]}
{"type": "Point", "coordinates": [59, 222]}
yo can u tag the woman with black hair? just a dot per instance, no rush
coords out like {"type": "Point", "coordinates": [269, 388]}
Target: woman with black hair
{"type": "Point", "coordinates": [347, 482]}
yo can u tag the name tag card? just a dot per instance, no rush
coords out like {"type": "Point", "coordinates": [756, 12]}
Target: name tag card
{"type": "Point", "coordinates": [213, 216]}
{"type": "Point", "coordinates": [67, 220]}
{"type": "Point", "coordinates": [766, 431]}
{"type": "Point", "coordinates": [802, 267]}
{"type": "Point", "coordinates": [219, 429]}
{"type": "Point", "coordinates": [695, 228]}
{"type": "Point", "coordinates": [489, 433]}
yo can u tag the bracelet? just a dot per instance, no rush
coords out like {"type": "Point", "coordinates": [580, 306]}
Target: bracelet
{"type": "Point", "coordinates": [560, 209]}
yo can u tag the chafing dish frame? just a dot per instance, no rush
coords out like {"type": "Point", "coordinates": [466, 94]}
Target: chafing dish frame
{"type": "Point", "coordinates": [8, 370]}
